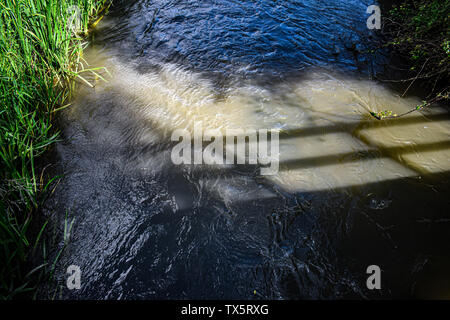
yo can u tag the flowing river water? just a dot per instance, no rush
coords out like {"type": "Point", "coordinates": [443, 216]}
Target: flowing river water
{"type": "Point", "coordinates": [351, 191]}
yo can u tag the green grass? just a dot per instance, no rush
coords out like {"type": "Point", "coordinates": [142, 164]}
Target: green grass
{"type": "Point", "coordinates": [40, 56]}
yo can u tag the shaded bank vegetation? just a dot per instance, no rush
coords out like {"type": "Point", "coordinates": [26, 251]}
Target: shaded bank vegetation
{"type": "Point", "coordinates": [41, 45]}
{"type": "Point", "coordinates": [418, 31]}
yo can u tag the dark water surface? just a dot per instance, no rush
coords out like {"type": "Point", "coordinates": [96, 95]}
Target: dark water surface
{"type": "Point", "coordinates": [146, 229]}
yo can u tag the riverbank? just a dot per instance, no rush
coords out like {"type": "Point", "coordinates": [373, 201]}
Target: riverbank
{"type": "Point", "coordinates": [417, 34]}
{"type": "Point", "coordinates": [41, 54]}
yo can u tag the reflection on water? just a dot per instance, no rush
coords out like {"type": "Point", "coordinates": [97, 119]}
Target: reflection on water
{"type": "Point", "coordinates": [352, 191]}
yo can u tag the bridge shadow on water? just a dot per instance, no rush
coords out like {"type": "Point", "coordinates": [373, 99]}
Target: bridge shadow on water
{"type": "Point", "coordinates": [224, 231]}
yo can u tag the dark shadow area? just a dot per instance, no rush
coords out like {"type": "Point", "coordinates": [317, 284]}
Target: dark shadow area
{"type": "Point", "coordinates": [392, 152]}
{"type": "Point", "coordinates": [350, 127]}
